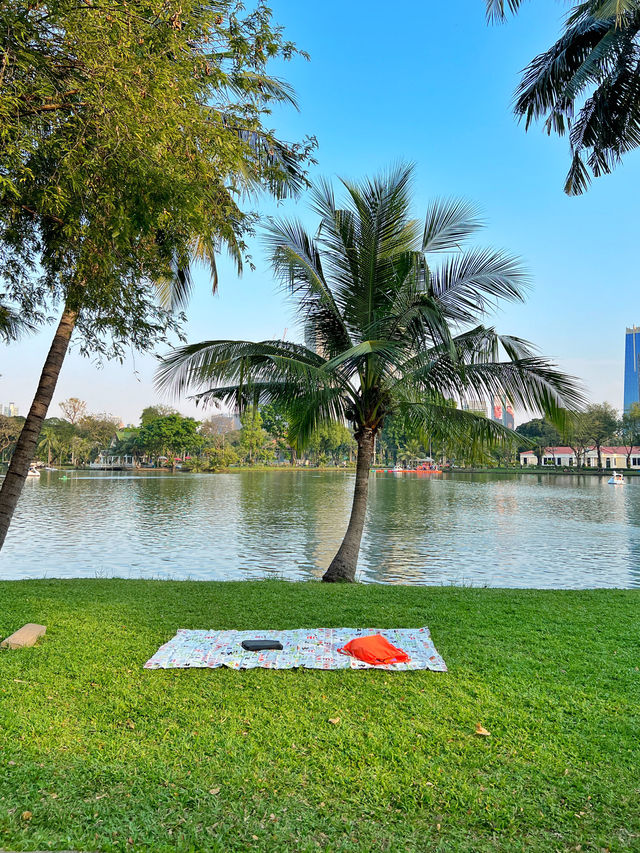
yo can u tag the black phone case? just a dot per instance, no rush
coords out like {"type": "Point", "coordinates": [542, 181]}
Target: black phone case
{"type": "Point", "coordinates": [260, 645]}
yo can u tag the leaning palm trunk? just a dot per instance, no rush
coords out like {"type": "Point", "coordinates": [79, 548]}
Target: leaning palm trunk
{"type": "Point", "coordinates": [26, 444]}
{"type": "Point", "coordinates": [343, 565]}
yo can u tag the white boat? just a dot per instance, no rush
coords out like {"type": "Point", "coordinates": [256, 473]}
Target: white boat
{"type": "Point", "coordinates": [616, 479]}
{"type": "Point", "coordinates": [397, 469]}
{"type": "Point", "coordinates": [33, 472]}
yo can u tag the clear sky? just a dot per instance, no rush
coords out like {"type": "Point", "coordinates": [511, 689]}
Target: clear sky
{"type": "Point", "coordinates": [429, 83]}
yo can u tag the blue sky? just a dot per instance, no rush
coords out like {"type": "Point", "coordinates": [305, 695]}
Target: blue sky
{"type": "Point", "coordinates": [431, 84]}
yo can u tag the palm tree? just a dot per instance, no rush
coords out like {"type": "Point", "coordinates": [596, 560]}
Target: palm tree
{"type": "Point", "coordinates": [48, 441]}
{"type": "Point", "coordinates": [391, 335]}
{"type": "Point", "coordinates": [587, 85]}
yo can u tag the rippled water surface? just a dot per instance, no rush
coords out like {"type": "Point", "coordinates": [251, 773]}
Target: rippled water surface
{"type": "Point", "coordinates": [521, 530]}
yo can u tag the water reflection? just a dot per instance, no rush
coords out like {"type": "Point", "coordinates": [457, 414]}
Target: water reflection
{"type": "Point", "coordinates": [496, 530]}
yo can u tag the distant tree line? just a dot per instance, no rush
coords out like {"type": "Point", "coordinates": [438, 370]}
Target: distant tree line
{"type": "Point", "coordinates": [260, 436]}
{"type": "Point", "coordinates": [263, 437]}
{"type": "Point", "coordinates": [166, 438]}
{"type": "Point", "coordinates": [74, 440]}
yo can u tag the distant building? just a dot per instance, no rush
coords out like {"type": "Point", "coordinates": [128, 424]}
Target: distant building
{"type": "Point", "coordinates": [502, 412]}
{"type": "Point", "coordinates": [631, 365]}
{"type": "Point", "coordinates": [478, 407]}
{"type": "Point", "coordinates": [9, 410]}
{"type": "Point", "coordinates": [222, 424]}
{"type": "Point", "coordinates": [612, 457]}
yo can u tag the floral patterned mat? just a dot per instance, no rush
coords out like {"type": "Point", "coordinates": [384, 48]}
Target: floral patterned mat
{"type": "Point", "coordinates": [313, 648]}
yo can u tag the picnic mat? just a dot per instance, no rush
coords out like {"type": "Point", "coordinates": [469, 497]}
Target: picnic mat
{"type": "Point", "coordinates": [313, 648]}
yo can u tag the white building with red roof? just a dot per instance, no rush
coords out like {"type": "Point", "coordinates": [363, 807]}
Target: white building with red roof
{"type": "Point", "coordinates": [565, 457]}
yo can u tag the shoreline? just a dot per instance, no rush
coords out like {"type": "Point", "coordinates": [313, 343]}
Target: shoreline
{"type": "Point", "coordinates": [526, 469]}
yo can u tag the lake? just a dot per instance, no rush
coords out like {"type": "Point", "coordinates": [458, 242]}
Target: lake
{"type": "Point", "coordinates": [502, 530]}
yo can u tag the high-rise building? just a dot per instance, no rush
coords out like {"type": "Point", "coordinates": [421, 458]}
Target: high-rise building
{"type": "Point", "coordinates": [631, 367]}
{"type": "Point", "coordinates": [502, 412]}
{"type": "Point", "coordinates": [10, 410]}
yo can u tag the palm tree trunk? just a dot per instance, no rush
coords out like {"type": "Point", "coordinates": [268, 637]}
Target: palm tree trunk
{"type": "Point", "coordinates": [26, 444]}
{"type": "Point", "coordinates": [343, 565]}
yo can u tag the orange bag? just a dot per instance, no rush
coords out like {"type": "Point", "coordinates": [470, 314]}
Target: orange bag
{"type": "Point", "coordinates": [375, 649]}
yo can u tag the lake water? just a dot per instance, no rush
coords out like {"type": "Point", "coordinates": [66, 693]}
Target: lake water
{"type": "Point", "coordinates": [514, 530]}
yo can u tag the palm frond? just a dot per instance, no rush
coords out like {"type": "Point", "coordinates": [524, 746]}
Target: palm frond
{"type": "Point", "coordinates": [534, 384]}
{"type": "Point", "coordinates": [497, 9]}
{"type": "Point", "coordinates": [349, 361]}
{"type": "Point", "coordinates": [174, 291]}
{"type": "Point", "coordinates": [526, 380]}
{"type": "Point", "coordinates": [448, 223]}
{"type": "Point", "coordinates": [609, 123]}
{"type": "Point", "coordinates": [436, 419]}
{"type": "Point", "coordinates": [470, 284]}
{"type": "Point", "coordinates": [415, 315]}
{"type": "Point", "coordinates": [544, 81]}
{"type": "Point", "coordinates": [597, 58]}
{"type": "Point", "coordinates": [439, 367]}
{"type": "Point", "coordinates": [617, 9]}
{"type": "Point", "coordinates": [297, 263]}
{"type": "Point", "coordinates": [223, 361]}
{"type": "Point", "coordinates": [365, 239]}
{"type": "Point", "coordinates": [308, 413]}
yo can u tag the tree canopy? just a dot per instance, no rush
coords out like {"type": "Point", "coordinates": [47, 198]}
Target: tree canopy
{"type": "Point", "coordinates": [129, 134]}
{"type": "Point", "coordinates": [172, 434]}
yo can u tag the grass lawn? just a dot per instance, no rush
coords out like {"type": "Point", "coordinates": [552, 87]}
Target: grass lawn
{"type": "Point", "coordinates": [98, 754]}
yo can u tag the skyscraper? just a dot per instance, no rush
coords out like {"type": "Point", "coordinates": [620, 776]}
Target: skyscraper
{"type": "Point", "coordinates": [631, 365]}
{"type": "Point", "coordinates": [502, 412]}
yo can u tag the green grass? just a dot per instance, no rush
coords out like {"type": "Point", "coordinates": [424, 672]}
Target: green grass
{"type": "Point", "coordinates": [107, 756]}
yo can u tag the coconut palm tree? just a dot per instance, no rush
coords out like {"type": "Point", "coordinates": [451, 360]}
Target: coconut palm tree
{"type": "Point", "coordinates": [388, 334]}
{"type": "Point", "coordinates": [587, 85]}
